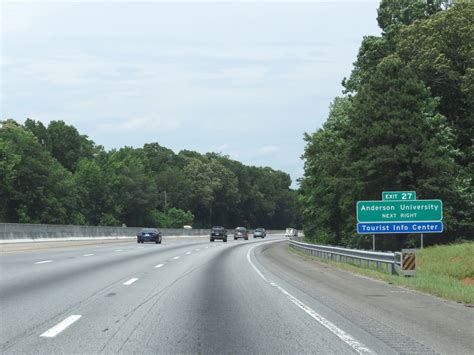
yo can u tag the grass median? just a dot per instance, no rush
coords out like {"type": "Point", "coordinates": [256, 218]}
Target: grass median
{"type": "Point", "coordinates": [445, 271]}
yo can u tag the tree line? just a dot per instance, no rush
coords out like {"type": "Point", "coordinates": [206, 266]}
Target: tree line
{"type": "Point", "coordinates": [404, 122]}
{"type": "Point", "coordinates": [53, 174]}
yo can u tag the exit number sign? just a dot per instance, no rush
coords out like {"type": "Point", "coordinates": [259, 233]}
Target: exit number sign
{"type": "Point", "coordinates": [398, 195]}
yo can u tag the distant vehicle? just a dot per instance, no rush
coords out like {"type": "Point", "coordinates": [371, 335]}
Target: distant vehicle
{"type": "Point", "coordinates": [187, 227]}
{"type": "Point", "coordinates": [149, 235]}
{"type": "Point", "coordinates": [291, 232]}
{"type": "Point", "coordinates": [241, 232]}
{"type": "Point", "coordinates": [260, 233]}
{"type": "Point", "coordinates": [218, 233]}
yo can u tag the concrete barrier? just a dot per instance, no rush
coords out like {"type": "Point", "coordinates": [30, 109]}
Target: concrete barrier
{"type": "Point", "coordinates": [18, 232]}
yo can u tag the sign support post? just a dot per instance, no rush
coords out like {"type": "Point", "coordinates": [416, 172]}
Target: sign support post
{"type": "Point", "coordinates": [421, 240]}
{"type": "Point", "coordinates": [373, 242]}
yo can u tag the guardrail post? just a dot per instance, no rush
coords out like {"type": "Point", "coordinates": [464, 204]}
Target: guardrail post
{"type": "Point", "coordinates": [391, 268]}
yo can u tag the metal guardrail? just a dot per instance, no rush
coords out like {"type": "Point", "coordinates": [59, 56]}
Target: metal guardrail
{"type": "Point", "coordinates": [389, 261]}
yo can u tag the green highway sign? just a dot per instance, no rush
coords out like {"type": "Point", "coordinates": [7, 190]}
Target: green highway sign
{"type": "Point", "coordinates": [398, 195]}
{"type": "Point", "coordinates": [400, 211]}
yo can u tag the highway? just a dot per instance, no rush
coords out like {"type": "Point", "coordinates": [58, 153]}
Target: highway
{"type": "Point", "coordinates": [188, 295]}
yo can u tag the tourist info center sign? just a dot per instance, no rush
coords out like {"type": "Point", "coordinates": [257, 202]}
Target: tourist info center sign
{"type": "Point", "coordinates": [399, 212]}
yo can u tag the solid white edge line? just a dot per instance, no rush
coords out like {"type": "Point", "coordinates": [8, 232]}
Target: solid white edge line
{"type": "Point", "coordinates": [129, 282]}
{"type": "Point", "coordinates": [44, 262]}
{"type": "Point", "coordinates": [159, 265]}
{"type": "Point", "coordinates": [58, 328]}
{"type": "Point", "coordinates": [345, 337]}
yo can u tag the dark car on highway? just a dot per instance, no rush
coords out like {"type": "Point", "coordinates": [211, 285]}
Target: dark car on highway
{"type": "Point", "coordinates": [241, 232]}
{"type": "Point", "coordinates": [218, 233]}
{"type": "Point", "coordinates": [260, 233]}
{"type": "Point", "coordinates": [149, 235]}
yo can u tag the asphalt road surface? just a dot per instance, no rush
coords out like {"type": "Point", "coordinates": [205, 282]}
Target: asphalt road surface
{"type": "Point", "coordinates": [191, 296]}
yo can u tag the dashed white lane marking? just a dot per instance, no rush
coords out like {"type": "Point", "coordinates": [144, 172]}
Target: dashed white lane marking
{"type": "Point", "coordinates": [118, 250]}
{"type": "Point", "coordinates": [88, 254]}
{"type": "Point", "coordinates": [129, 282]}
{"type": "Point", "coordinates": [159, 265]}
{"type": "Point", "coordinates": [207, 247]}
{"type": "Point", "coordinates": [188, 253]}
{"type": "Point", "coordinates": [44, 262]}
{"type": "Point", "coordinates": [197, 249]}
{"type": "Point", "coordinates": [345, 337]}
{"type": "Point", "coordinates": [140, 247]}
{"type": "Point", "coordinates": [176, 258]}
{"type": "Point", "coordinates": [58, 328]}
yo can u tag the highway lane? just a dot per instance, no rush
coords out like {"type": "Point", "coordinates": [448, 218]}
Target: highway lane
{"type": "Point", "coordinates": [193, 296]}
{"type": "Point", "coordinates": [32, 293]}
{"type": "Point", "coordinates": [17, 259]}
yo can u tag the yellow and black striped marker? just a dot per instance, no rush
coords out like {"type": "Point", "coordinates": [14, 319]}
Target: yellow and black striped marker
{"type": "Point", "coordinates": [408, 262]}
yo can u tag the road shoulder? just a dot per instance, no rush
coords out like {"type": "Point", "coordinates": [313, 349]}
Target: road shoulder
{"type": "Point", "coordinates": [407, 320]}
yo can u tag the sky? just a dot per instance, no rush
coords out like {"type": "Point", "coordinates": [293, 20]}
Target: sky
{"type": "Point", "coordinates": [245, 79]}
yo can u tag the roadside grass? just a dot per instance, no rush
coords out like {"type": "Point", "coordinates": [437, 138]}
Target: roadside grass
{"type": "Point", "coordinates": [445, 271]}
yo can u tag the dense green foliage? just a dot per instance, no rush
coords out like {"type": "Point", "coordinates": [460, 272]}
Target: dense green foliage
{"type": "Point", "coordinates": [56, 175]}
{"type": "Point", "coordinates": [405, 123]}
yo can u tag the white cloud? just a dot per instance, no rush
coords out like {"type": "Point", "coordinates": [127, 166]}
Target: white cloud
{"type": "Point", "coordinates": [239, 52]}
{"type": "Point", "coordinates": [267, 150]}
{"type": "Point", "coordinates": [136, 124]}
{"type": "Point", "coordinates": [20, 19]}
{"type": "Point", "coordinates": [64, 69]}
{"type": "Point", "coordinates": [222, 148]}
